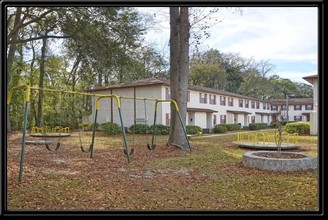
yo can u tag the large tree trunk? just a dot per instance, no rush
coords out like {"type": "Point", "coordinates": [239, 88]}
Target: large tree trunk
{"type": "Point", "coordinates": [10, 58]}
{"type": "Point", "coordinates": [179, 72]}
{"type": "Point", "coordinates": [41, 79]}
{"type": "Point", "coordinates": [32, 115]}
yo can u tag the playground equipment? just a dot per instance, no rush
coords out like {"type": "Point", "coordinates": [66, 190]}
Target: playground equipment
{"type": "Point", "coordinates": [266, 140]}
{"type": "Point", "coordinates": [27, 100]}
{"type": "Point", "coordinates": [143, 120]}
{"type": "Point", "coordinates": [99, 97]}
{"type": "Point", "coordinates": [47, 132]}
{"type": "Point", "coordinates": [152, 146]}
{"type": "Point", "coordinates": [50, 132]}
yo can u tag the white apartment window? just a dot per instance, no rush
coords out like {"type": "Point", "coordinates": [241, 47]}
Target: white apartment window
{"type": "Point", "coordinates": [213, 99]}
{"type": "Point", "coordinates": [297, 118]}
{"type": "Point", "coordinates": [241, 103]}
{"type": "Point", "coordinates": [308, 107]}
{"type": "Point", "coordinates": [223, 119]}
{"type": "Point", "coordinates": [230, 101]}
{"type": "Point", "coordinates": [253, 104]}
{"type": "Point", "coordinates": [222, 100]}
{"type": "Point", "coordinates": [257, 105]}
{"type": "Point", "coordinates": [297, 107]}
{"type": "Point", "coordinates": [188, 96]}
{"type": "Point", "coordinates": [264, 105]}
{"type": "Point", "coordinates": [167, 93]}
{"type": "Point", "coordinates": [203, 98]}
{"type": "Point", "coordinates": [246, 103]}
{"type": "Point", "coordinates": [274, 108]}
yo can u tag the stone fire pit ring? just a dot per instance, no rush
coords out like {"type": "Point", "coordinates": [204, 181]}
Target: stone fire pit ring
{"type": "Point", "coordinates": [252, 160]}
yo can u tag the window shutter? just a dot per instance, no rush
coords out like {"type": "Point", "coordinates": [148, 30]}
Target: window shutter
{"type": "Point", "coordinates": [167, 119]}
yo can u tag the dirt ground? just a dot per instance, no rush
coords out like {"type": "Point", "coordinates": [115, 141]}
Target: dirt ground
{"type": "Point", "coordinates": [108, 171]}
{"type": "Point", "coordinates": [211, 177]}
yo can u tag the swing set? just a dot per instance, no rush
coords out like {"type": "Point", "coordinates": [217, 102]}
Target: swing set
{"type": "Point", "coordinates": [99, 97]}
{"type": "Point", "coordinates": [48, 132]}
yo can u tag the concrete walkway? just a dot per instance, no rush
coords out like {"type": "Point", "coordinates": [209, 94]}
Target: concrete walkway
{"type": "Point", "coordinates": [229, 133]}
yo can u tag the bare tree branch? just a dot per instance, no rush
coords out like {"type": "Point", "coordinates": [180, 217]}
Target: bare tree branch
{"type": "Point", "coordinates": [21, 24]}
{"type": "Point", "coordinates": [35, 38]}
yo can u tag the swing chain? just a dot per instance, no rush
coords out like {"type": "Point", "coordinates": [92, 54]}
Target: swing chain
{"type": "Point", "coordinates": [59, 129]}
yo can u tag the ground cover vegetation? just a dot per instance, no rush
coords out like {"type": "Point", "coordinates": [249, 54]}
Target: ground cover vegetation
{"type": "Point", "coordinates": [211, 177]}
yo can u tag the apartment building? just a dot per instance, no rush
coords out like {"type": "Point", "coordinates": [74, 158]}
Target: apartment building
{"type": "Point", "coordinates": [298, 109]}
{"type": "Point", "coordinates": [206, 107]}
{"type": "Point", "coordinates": [314, 118]}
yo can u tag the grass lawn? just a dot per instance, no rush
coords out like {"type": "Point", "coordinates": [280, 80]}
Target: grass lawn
{"type": "Point", "coordinates": [211, 177]}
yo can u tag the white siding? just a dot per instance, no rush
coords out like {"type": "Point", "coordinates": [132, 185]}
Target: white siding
{"type": "Point", "coordinates": [202, 118]}
{"type": "Point", "coordinates": [127, 105]}
{"type": "Point", "coordinates": [314, 114]}
{"type": "Point", "coordinates": [165, 107]}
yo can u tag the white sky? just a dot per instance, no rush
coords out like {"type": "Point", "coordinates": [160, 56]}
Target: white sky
{"type": "Point", "coordinates": [286, 36]}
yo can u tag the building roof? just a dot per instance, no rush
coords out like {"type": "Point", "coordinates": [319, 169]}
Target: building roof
{"type": "Point", "coordinates": [154, 81]}
{"type": "Point", "coordinates": [262, 113]}
{"type": "Point", "coordinates": [294, 101]}
{"type": "Point", "coordinates": [239, 112]}
{"type": "Point", "coordinates": [137, 83]}
{"type": "Point", "coordinates": [311, 78]}
{"type": "Point", "coordinates": [200, 110]}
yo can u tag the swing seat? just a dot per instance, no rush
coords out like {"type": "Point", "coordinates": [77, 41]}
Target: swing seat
{"type": "Point", "coordinates": [131, 152]}
{"type": "Point", "coordinates": [151, 147]}
{"type": "Point", "coordinates": [38, 142]}
{"type": "Point", "coordinates": [141, 120]}
{"type": "Point", "coordinates": [51, 135]}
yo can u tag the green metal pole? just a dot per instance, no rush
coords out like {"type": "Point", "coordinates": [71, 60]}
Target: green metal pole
{"type": "Point", "coordinates": [124, 136]}
{"type": "Point", "coordinates": [184, 130]}
{"type": "Point", "coordinates": [93, 133]}
{"type": "Point", "coordinates": [23, 144]}
{"type": "Point", "coordinates": [154, 127]}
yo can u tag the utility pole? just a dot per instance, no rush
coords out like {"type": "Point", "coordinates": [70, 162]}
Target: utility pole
{"type": "Point", "coordinates": [287, 108]}
{"type": "Point", "coordinates": [287, 105]}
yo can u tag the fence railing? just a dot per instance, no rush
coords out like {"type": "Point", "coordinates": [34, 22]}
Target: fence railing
{"type": "Point", "coordinates": [266, 138]}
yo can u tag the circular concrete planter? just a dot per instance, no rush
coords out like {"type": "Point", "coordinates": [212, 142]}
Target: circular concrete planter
{"type": "Point", "coordinates": [252, 160]}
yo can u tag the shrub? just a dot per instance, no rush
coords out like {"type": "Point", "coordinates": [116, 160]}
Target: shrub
{"type": "Point", "coordinates": [111, 128]}
{"type": "Point", "coordinates": [233, 127]}
{"type": "Point", "coordinates": [283, 123]}
{"type": "Point", "coordinates": [273, 125]}
{"type": "Point", "coordinates": [298, 127]}
{"type": "Point", "coordinates": [220, 129]}
{"type": "Point", "coordinates": [88, 126]}
{"type": "Point", "coordinates": [139, 128]}
{"type": "Point", "coordinates": [257, 126]}
{"type": "Point", "coordinates": [160, 129]}
{"type": "Point", "coordinates": [193, 129]}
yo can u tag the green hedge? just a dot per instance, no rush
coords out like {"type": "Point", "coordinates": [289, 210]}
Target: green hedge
{"type": "Point", "coordinates": [220, 129]}
{"type": "Point", "coordinates": [233, 127]}
{"type": "Point", "coordinates": [257, 126]}
{"type": "Point", "coordinates": [139, 128]}
{"type": "Point", "coordinates": [298, 127]}
{"type": "Point", "coordinates": [88, 126]}
{"type": "Point", "coordinates": [160, 129]}
{"type": "Point", "coordinates": [193, 129]}
{"type": "Point", "coordinates": [227, 127]}
{"type": "Point", "coordinates": [111, 128]}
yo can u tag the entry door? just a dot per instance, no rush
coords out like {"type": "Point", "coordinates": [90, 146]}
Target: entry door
{"type": "Point", "coordinates": [235, 118]}
{"type": "Point", "coordinates": [191, 118]}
